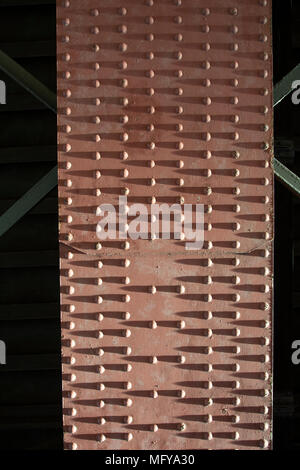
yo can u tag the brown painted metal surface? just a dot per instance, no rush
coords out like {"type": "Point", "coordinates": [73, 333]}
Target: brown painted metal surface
{"type": "Point", "coordinates": [165, 348]}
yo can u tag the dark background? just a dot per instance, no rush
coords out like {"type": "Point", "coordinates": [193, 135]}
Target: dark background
{"type": "Point", "coordinates": [30, 383]}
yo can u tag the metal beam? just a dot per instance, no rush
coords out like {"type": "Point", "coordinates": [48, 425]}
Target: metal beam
{"type": "Point", "coordinates": [284, 87]}
{"type": "Point", "coordinates": [287, 177]}
{"type": "Point", "coordinates": [47, 182]}
{"type": "Point", "coordinates": [27, 81]}
{"type": "Point", "coordinates": [28, 200]}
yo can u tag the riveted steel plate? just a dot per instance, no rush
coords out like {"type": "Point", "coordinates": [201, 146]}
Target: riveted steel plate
{"type": "Point", "coordinates": [166, 102]}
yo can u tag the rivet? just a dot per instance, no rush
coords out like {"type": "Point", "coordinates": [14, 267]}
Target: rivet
{"type": "Point", "coordinates": [208, 315]}
{"type": "Point", "coordinates": [181, 359]}
{"type": "Point", "coordinates": [233, 11]}
{"type": "Point", "coordinates": [126, 245]}
{"type": "Point", "coordinates": [123, 47]}
{"type": "Point", "coordinates": [152, 290]}
{"type": "Point", "coordinates": [153, 325]}
{"type": "Point", "coordinates": [122, 11]}
{"type": "Point", "coordinates": [95, 30]}
{"type": "Point", "coordinates": [96, 119]}
{"type": "Point", "coordinates": [178, 37]}
{"type": "Point", "coordinates": [101, 437]}
{"type": "Point", "coordinates": [66, 21]}
{"type": "Point", "coordinates": [150, 37]}
{"type": "Point", "coordinates": [180, 289]}
{"type": "Point", "coordinates": [205, 11]}
{"type": "Point", "coordinates": [95, 12]}
{"type": "Point", "coordinates": [123, 65]}
{"type": "Point", "coordinates": [263, 443]}
{"type": "Point", "coordinates": [263, 20]}
{"type": "Point", "coordinates": [206, 65]}
{"type": "Point", "coordinates": [151, 110]}
{"type": "Point", "coordinates": [207, 100]}
{"type": "Point", "coordinates": [122, 29]}
{"type": "Point", "coordinates": [67, 111]}
{"type": "Point", "coordinates": [126, 316]}
{"type": "Point", "coordinates": [206, 136]}
{"type": "Point", "coordinates": [209, 333]}
{"type": "Point", "coordinates": [179, 91]}
{"type": "Point", "coordinates": [205, 28]}
{"type": "Point", "coordinates": [149, 20]}
{"type": "Point", "coordinates": [181, 427]}
{"type": "Point", "coordinates": [124, 101]}
{"type": "Point", "coordinates": [178, 55]}
{"type": "Point", "coordinates": [234, 29]}
{"type": "Point", "coordinates": [178, 19]}
{"type": "Point", "coordinates": [150, 73]}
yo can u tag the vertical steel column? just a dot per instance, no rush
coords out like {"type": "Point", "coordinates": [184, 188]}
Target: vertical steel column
{"type": "Point", "coordinates": [166, 101]}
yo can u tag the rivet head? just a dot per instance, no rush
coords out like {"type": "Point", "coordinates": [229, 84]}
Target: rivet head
{"type": "Point", "coordinates": [122, 11]}
{"type": "Point", "coordinates": [153, 324]}
{"type": "Point", "coordinates": [150, 37]}
{"type": "Point", "coordinates": [205, 11]}
{"type": "Point", "coordinates": [95, 12]}
{"type": "Point", "coordinates": [178, 55]}
{"type": "Point", "coordinates": [178, 19]}
{"type": "Point", "coordinates": [95, 30]}
{"type": "Point", "coordinates": [149, 20]}
{"type": "Point", "coordinates": [122, 29]}
{"type": "Point", "coordinates": [178, 37]}
{"type": "Point", "coordinates": [234, 29]}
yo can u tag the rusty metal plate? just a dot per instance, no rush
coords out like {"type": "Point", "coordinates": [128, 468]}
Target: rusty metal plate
{"type": "Point", "coordinates": [166, 102]}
